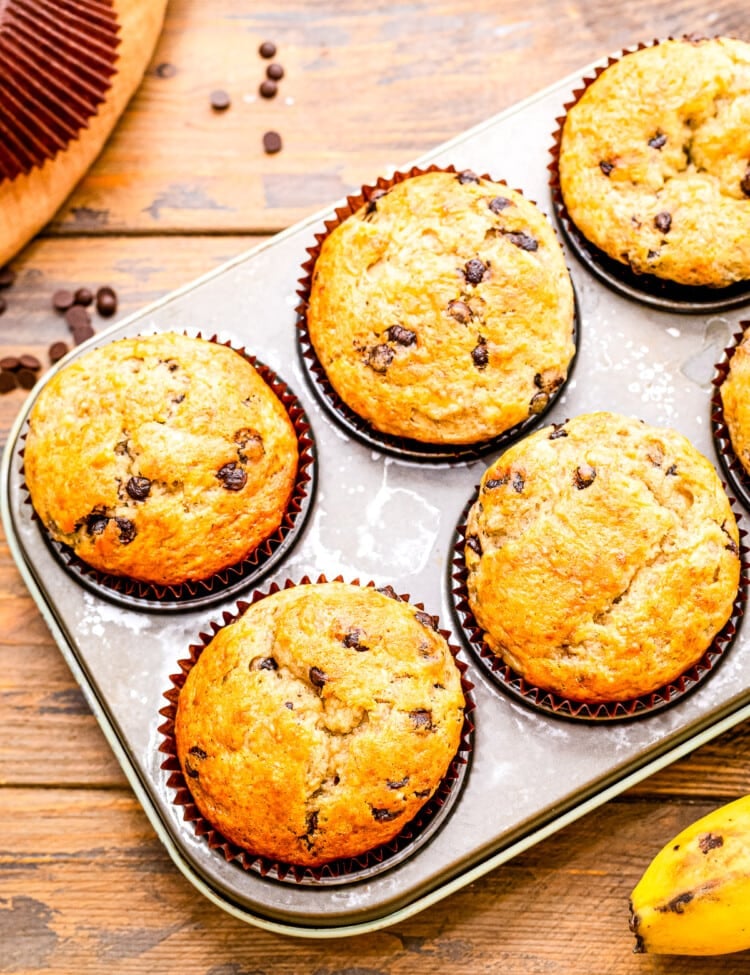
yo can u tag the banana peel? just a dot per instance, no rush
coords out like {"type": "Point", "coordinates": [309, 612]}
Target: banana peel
{"type": "Point", "coordinates": [30, 200]}
{"type": "Point", "coordinates": [694, 897]}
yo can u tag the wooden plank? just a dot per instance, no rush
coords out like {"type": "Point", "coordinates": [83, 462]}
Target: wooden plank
{"type": "Point", "coordinates": [361, 92]}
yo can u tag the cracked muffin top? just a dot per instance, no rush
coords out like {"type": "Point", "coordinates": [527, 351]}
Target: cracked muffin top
{"type": "Point", "coordinates": [655, 161]}
{"type": "Point", "coordinates": [602, 557]}
{"type": "Point", "coordinates": [161, 458]}
{"type": "Point", "coordinates": [316, 725]}
{"type": "Point", "coordinates": [442, 309]}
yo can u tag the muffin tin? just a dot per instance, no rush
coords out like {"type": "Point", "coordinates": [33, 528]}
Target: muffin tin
{"type": "Point", "coordinates": [394, 520]}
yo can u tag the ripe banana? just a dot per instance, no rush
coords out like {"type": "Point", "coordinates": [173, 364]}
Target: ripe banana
{"type": "Point", "coordinates": [694, 898]}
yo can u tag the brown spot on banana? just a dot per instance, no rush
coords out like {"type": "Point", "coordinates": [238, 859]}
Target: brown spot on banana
{"type": "Point", "coordinates": [709, 841]}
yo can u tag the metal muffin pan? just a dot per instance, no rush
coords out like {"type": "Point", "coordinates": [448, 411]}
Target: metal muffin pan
{"type": "Point", "coordinates": [393, 520]}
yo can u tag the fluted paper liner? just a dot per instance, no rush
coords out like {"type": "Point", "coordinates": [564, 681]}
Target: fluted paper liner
{"type": "Point", "coordinates": [342, 414]}
{"type": "Point", "coordinates": [136, 594]}
{"type": "Point", "coordinates": [57, 60]}
{"type": "Point", "coordinates": [646, 288]}
{"type": "Point", "coordinates": [550, 703]}
{"type": "Point", "coordinates": [369, 863]}
{"type": "Point", "coordinates": [731, 465]}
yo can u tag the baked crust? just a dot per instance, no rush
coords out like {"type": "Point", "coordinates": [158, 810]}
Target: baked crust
{"type": "Point", "coordinates": [654, 161]}
{"type": "Point", "coordinates": [161, 458]}
{"type": "Point", "coordinates": [602, 557]}
{"type": "Point", "coordinates": [442, 311]}
{"type": "Point", "coordinates": [316, 725]}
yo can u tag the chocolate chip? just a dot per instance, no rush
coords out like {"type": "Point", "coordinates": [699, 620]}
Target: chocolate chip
{"type": "Point", "coordinates": [460, 311]}
{"type": "Point", "coordinates": [267, 663]}
{"type": "Point", "coordinates": [539, 403]}
{"type": "Point", "coordinates": [584, 476]}
{"type": "Point", "coordinates": [658, 141]}
{"type": "Point", "coordinates": [606, 167]}
{"type": "Point", "coordinates": [745, 181]}
{"type": "Point", "coordinates": [95, 522]}
{"type": "Point", "coordinates": [3, 305]}
{"type": "Point", "coordinates": [401, 335]}
{"type": "Point", "coordinates": [651, 255]}
{"type": "Point", "coordinates": [198, 752]}
{"type": "Point", "coordinates": [83, 296]}
{"type": "Point", "coordinates": [517, 482]}
{"type": "Point", "coordinates": [467, 176]}
{"type": "Point", "coordinates": [732, 546]}
{"type": "Point", "coordinates": [317, 677]}
{"type": "Point", "coordinates": [189, 770]}
{"type": "Point", "coordinates": [232, 476]}
{"type": "Point", "coordinates": [372, 203]}
{"type": "Point", "coordinates": [82, 332]}
{"type": "Point", "coordinates": [272, 142]}
{"type": "Point", "coordinates": [138, 488]}
{"type": "Point", "coordinates": [479, 354]}
{"type": "Point", "coordinates": [220, 100]}
{"type": "Point", "coordinates": [495, 482]}
{"type": "Point", "coordinates": [8, 381]}
{"type": "Point", "coordinates": [397, 785]}
{"type": "Point", "coordinates": [106, 301]}
{"type": "Point", "coordinates": [390, 592]}
{"type": "Point", "coordinates": [267, 49]}
{"type": "Point", "coordinates": [7, 277]}
{"type": "Point", "coordinates": [28, 361]}
{"type": "Point", "coordinates": [431, 622]}
{"type": "Point", "coordinates": [671, 471]}
{"type": "Point", "coordinates": [77, 317]}
{"type": "Point", "coordinates": [379, 358]}
{"type": "Point", "coordinates": [474, 270]}
{"type": "Point", "coordinates": [385, 815]}
{"type": "Point", "coordinates": [166, 70]}
{"type": "Point", "coordinates": [26, 378]}
{"type": "Point", "coordinates": [289, 705]}
{"type": "Point", "coordinates": [311, 823]}
{"type": "Point", "coordinates": [474, 544]}
{"type": "Point", "coordinates": [10, 362]}
{"type": "Point", "coordinates": [499, 204]}
{"type": "Point", "coordinates": [557, 431]}
{"type": "Point", "coordinates": [421, 719]}
{"type": "Point", "coordinates": [127, 530]}
{"type": "Point", "coordinates": [525, 241]}
{"type": "Point", "coordinates": [268, 88]}
{"type": "Point", "coordinates": [353, 640]}
{"type": "Point", "coordinates": [663, 221]}
{"type": "Point", "coordinates": [63, 299]}
{"type": "Point", "coordinates": [275, 72]}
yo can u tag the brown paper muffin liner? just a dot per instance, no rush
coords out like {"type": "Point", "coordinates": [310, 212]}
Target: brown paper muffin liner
{"type": "Point", "coordinates": [57, 61]}
{"type": "Point", "coordinates": [731, 465]}
{"type": "Point", "coordinates": [342, 414]}
{"type": "Point", "coordinates": [594, 712]}
{"type": "Point", "coordinates": [415, 834]}
{"type": "Point", "coordinates": [136, 594]}
{"type": "Point", "coordinates": [646, 288]}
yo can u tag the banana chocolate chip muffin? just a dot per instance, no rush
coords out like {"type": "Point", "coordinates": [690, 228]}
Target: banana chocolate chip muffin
{"type": "Point", "coordinates": [161, 458]}
{"type": "Point", "coordinates": [654, 162]}
{"type": "Point", "coordinates": [316, 725]}
{"type": "Point", "coordinates": [735, 400]}
{"type": "Point", "coordinates": [442, 311]}
{"type": "Point", "coordinates": [602, 557]}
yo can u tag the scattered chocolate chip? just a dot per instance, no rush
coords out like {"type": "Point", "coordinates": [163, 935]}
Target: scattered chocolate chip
{"type": "Point", "coordinates": [379, 358]}
{"type": "Point", "coordinates": [198, 752]}
{"type": "Point", "coordinates": [525, 241]}
{"type": "Point", "coordinates": [495, 482]}
{"type": "Point", "coordinates": [606, 167]}
{"type": "Point", "coordinates": [557, 431]}
{"type": "Point", "coordinates": [268, 88]}
{"type": "Point", "coordinates": [671, 471]}
{"type": "Point", "coordinates": [658, 141]}
{"type": "Point", "coordinates": [499, 204]}
{"type": "Point", "coordinates": [539, 403]}
{"type": "Point", "coordinates": [220, 100]}
{"type": "Point", "coordinates": [26, 378]}
{"type": "Point", "coordinates": [8, 381]}
{"type": "Point", "coordinates": [106, 301]}
{"type": "Point", "coordinates": [232, 476]}
{"type": "Point", "coordinates": [267, 49]}
{"type": "Point", "coordinates": [390, 592]}
{"type": "Point", "coordinates": [28, 361]}
{"type": "Point", "coordinates": [166, 70]}
{"type": "Point", "coordinates": [474, 544]}
{"type": "Point", "coordinates": [95, 522]}
{"type": "Point", "coordinates": [421, 718]}
{"type": "Point", "coordinates": [317, 677]}
{"type": "Point", "coordinates": [372, 203]}
{"type": "Point", "coordinates": [460, 311]}
{"type": "Point", "coordinates": [63, 299]}
{"type": "Point", "coordinates": [289, 704]}
{"type": "Point", "coordinates": [76, 317]}
{"type": "Point", "coordinates": [431, 622]}
{"type": "Point", "coordinates": [479, 354]}
{"type": "Point", "coordinates": [584, 476]}
{"type": "Point", "coordinates": [82, 332]}
{"type": "Point", "coordinates": [651, 255]}
{"type": "Point", "coordinates": [663, 221]}
{"type": "Point", "coordinates": [397, 785]}
{"type": "Point", "coordinates": [127, 530]}
{"type": "Point", "coordinates": [272, 142]}
{"type": "Point", "coordinates": [190, 771]}
{"type": "Point", "coordinates": [3, 305]}
{"type": "Point", "coordinates": [268, 663]}
{"type": "Point", "coordinates": [517, 482]}
{"type": "Point", "coordinates": [401, 335]}
{"type": "Point", "coordinates": [467, 176]}
{"type": "Point", "coordinates": [353, 640]}
{"type": "Point", "coordinates": [83, 296]}
{"type": "Point", "coordinates": [10, 362]}
{"type": "Point", "coordinates": [138, 488]}
{"type": "Point", "coordinates": [385, 815]}
{"type": "Point", "coordinates": [710, 841]}
{"type": "Point", "coordinates": [7, 277]}
{"type": "Point", "coordinates": [745, 182]}
{"type": "Point", "coordinates": [474, 270]}
{"type": "Point", "coordinates": [275, 71]}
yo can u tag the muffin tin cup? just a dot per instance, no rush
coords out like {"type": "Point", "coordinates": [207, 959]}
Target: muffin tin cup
{"type": "Point", "coordinates": [136, 594]}
{"type": "Point", "coordinates": [414, 835]}
{"type": "Point", "coordinates": [648, 289]}
{"type": "Point", "coordinates": [342, 414]}
{"type": "Point", "coordinates": [731, 465]}
{"type": "Point", "coordinates": [594, 712]}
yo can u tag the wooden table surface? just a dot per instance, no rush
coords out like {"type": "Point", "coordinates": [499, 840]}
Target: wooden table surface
{"type": "Point", "coordinates": [84, 883]}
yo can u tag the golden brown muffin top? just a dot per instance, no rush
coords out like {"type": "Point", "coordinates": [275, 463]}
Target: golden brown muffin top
{"type": "Point", "coordinates": [162, 458]}
{"type": "Point", "coordinates": [442, 310]}
{"type": "Point", "coordinates": [602, 556]}
{"type": "Point", "coordinates": [655, 161]}
{"type": "Point", "coordinates": [319, 723]}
